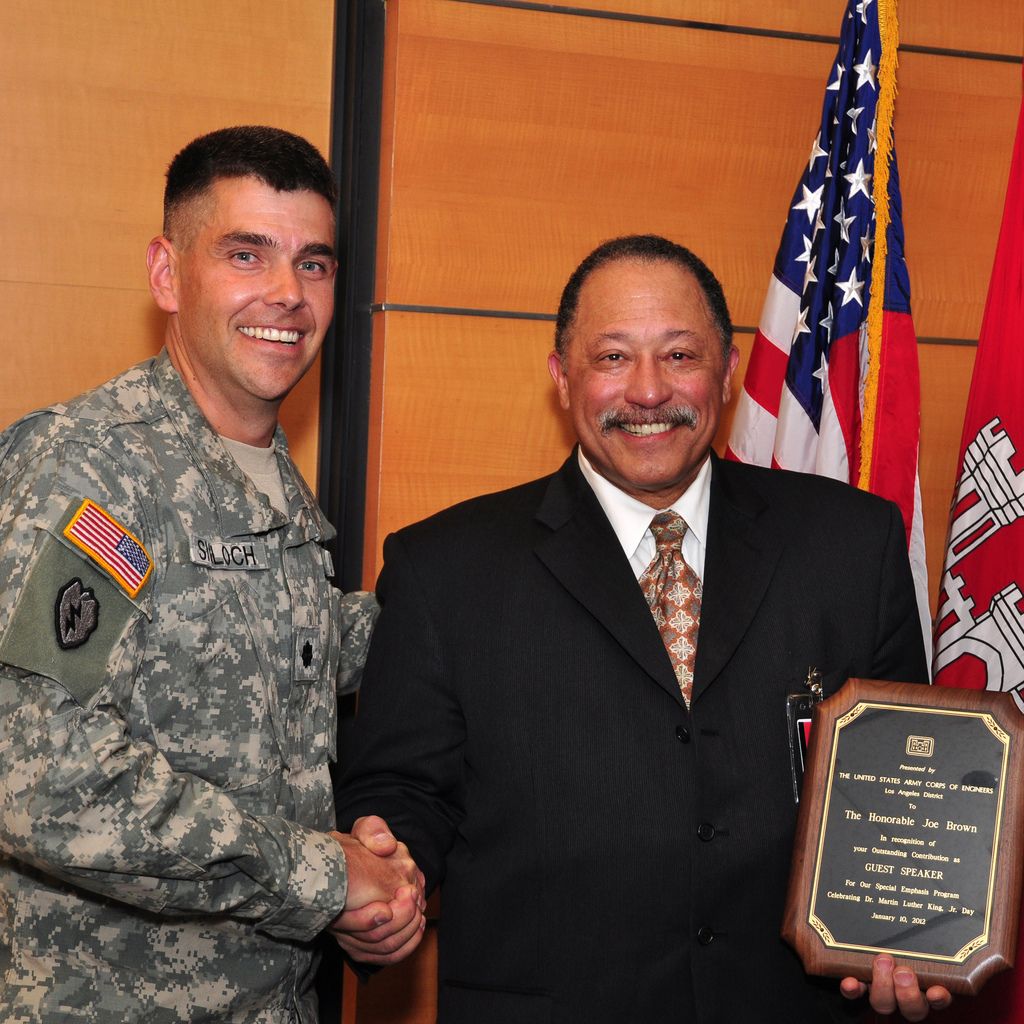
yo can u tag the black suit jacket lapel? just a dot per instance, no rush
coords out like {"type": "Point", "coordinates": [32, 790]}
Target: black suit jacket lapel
{"type": "Point", "coordinates": [739, 563]}
{"type": "Point", "coordinates": [583, 553]}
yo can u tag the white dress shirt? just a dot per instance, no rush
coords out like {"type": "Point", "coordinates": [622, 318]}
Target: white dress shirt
{"type": "Point", "coordinates": [631, 519]}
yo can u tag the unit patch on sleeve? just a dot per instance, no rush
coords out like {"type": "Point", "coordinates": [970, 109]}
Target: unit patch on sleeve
{"type": "Point", "coordinates": [68, 618]}
{"type": "Point", "coordinates": [109, 544]}
{"type": "Point", "coordinates": [76, 614]}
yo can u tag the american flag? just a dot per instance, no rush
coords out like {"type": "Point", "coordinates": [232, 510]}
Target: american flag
{"type": "Point", "coordinates": [832, 384]}
{"type": "Point", "coordinates": [107, 542]}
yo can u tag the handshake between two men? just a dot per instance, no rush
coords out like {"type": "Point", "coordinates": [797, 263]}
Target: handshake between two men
{"type": "Point", "coordinates": [384, 920]}
{"type": "Point", "coordinates": [384, 916]}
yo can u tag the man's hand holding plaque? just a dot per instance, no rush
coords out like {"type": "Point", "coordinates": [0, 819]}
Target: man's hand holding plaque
{"type": "Point", "coordinates": [894, 988]}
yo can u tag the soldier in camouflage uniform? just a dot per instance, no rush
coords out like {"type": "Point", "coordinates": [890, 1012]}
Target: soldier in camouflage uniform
{"type": "Point", "coordinates": [171, 645]}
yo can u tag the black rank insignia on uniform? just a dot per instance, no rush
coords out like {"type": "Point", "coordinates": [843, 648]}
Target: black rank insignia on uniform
{"type": "Point", "coordinates": [306, 654]}
{"type": "Point", "coordinates": [76, 614]}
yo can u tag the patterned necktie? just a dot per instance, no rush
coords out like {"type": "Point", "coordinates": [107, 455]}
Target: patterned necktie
{"type": "Point", "coordinates": [673, 593]}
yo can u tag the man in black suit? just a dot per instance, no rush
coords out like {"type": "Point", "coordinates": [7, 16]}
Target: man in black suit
{"type": "Point", "coordinates": [613, 828]}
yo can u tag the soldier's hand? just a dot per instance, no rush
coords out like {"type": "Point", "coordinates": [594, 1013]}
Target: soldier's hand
{"type": "Point", "coordinates": [383, 920]}
{"type": "Point", "coordinates": [397, 928]}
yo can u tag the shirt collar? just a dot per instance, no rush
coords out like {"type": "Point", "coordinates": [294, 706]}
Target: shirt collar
{"type": "Point", "coordinates": [241, 510]}
{"type": "Point", "coordinates": [631, 518]}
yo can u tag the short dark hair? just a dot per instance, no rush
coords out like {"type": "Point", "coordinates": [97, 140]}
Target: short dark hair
{"type": "Point", "coordinates": [285, 162]}
{"type": "Point", "coordinates": [646, 249]}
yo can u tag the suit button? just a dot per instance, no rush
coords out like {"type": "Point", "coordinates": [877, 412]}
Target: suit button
{"type": "Point", "coordinates": [705, 936]}
{"type": "Point", "coordinates": [682, 734]}
{"type": "Point", "coordinates": [705, 832]}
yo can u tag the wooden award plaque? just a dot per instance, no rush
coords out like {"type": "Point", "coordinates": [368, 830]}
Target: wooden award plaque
{"type": "Point", "coordinates": [909, 834]}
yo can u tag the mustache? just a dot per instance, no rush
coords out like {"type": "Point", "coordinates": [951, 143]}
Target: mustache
{"type": "Point", "coordinates": [674, 415]}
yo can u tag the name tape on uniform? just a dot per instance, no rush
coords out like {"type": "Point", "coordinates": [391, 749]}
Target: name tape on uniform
{"type": "Point", "coordinates": [250, 554]}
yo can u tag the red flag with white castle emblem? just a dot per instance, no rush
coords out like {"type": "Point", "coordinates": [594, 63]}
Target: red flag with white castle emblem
{"type": "Point", "coordinates": [979, 628]}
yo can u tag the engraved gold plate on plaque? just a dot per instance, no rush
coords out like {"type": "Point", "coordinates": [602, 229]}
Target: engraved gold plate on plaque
{"type": "Point", "coordinates": [908, 834]}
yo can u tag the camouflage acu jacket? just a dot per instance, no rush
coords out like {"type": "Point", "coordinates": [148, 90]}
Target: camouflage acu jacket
{"type": "Point", "coordinates": [169, 651]}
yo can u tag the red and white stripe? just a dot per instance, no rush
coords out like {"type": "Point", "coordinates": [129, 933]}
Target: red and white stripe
{"type": "Point", "coordinates": [98, 534]}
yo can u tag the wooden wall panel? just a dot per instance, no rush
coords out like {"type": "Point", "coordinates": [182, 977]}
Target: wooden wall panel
{"type": "Point", "coordinates": [95, 99]}
{"type": "Point", "coordinates": [530, 137]}
{"type": "Point", "coordinates": [784, 16]}
{"type": "Point", "coordinates": [403, 994]}
{"type": "Point", "coordinates": [470, 408]}
{"type": "Point", "coordinates": [986, 26]}
{"type": "Point", "coordinates": [950, 24]}
{"type": "Point", "coordinates": [954, 135]}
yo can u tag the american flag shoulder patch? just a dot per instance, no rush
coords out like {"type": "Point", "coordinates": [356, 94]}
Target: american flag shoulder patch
{"type": "Point", "coordinates": [110, 545]}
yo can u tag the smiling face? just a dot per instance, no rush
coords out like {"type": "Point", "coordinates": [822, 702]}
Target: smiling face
{"type": "Point", "coordinates": [249, 286]}
{"type": "Point", "coordinates": [644, 377]}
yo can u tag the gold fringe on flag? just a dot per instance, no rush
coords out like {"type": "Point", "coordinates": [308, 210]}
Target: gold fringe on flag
{"type": "Point", "coordinates": [888, 27]}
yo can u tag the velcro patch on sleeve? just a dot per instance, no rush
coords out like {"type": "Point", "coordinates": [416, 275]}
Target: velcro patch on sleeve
{"type": "Point", "coordinates": [97, 533]}
{"type": "Point", "coordinates": [67, 620]}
